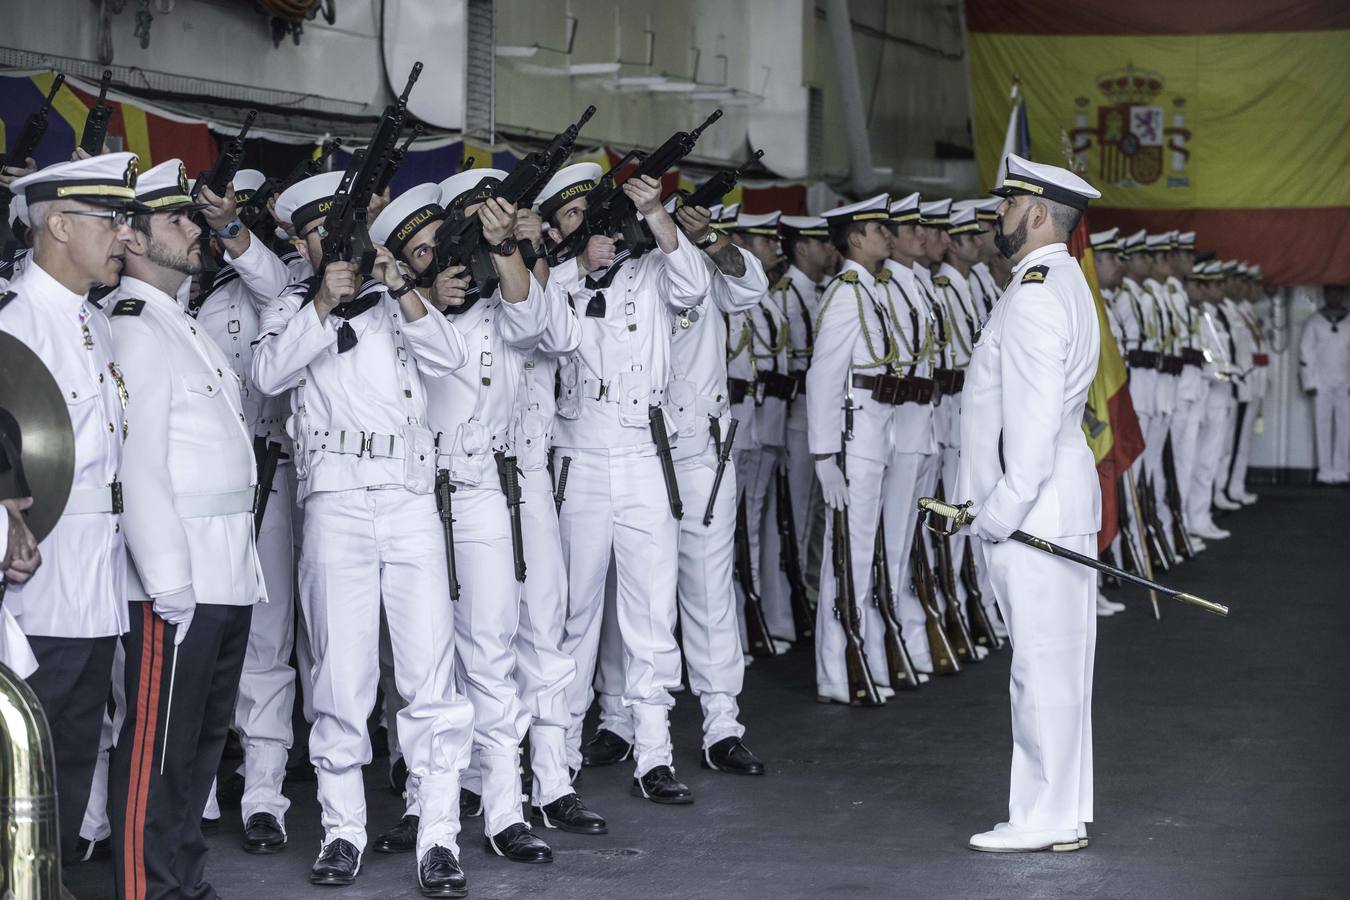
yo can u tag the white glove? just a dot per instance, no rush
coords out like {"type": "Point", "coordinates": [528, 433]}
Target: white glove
{"type": "Point", "coordinates": [833, 485]}
{"type": "Point", "coordinates": [177, 609]}
{"type": "Point", "coordinates": [987, 529]}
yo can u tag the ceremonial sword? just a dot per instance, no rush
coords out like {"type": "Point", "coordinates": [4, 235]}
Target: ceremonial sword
{"type": "Point", "coordinates": [960, 516]}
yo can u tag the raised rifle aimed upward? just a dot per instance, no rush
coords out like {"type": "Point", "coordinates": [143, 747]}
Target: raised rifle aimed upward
{"type": "Point", "coordinates": [720, 184]}
{"type": "Point", "coordinates": [346, 227]}
{"type": "Point", "coordinates": [228, 162]}
{"type": "Point", "coordinates": [23, 149]}
{"type": "Point", "coordinates": [254, 211]}
{"type": "Point", "coordinates": [609, 211]}
{"type": "Point", "coordinates": [96, 123]}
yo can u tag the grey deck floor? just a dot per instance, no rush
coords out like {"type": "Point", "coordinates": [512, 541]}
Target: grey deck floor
{"type": "Point", "coordinates": [1221, 767]}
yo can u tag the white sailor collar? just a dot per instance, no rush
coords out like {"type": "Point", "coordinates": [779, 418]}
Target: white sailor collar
{"type": "Point", "coordinates": [1035, 256]}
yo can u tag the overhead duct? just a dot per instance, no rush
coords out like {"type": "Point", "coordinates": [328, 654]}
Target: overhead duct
{"type": "Point", "coordinates": [862, 176]}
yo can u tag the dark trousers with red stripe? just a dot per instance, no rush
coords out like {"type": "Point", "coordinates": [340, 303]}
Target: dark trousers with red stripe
{"type": "Point", "coordinates": [72, 684]}
{"type": "Point", "coordinates": [160, 780]}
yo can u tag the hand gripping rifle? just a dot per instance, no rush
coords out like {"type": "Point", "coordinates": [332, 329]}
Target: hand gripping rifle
{"type": "Point", "coordinates": [508, 474]}
{"type": "Point", "coordinates": [609, 211]}
{"type": "Point", "coordinates": [898, 663]}
{"type": "Point", "coordinates": [228, 162]}
{"type": "Point", "coordinates": [959, 516]}
{"type": "Point", "coordinates": [789, 559]}
{"type": "Point", "coordinates": [756, 622]}
{"type": "Point", "coordinates": [459, 239]}
{"type": "Point", "coordinates": [723, 457]}
{"type": "Point", "coordinates": [346, 227]}
{"type": "Point", "coordinates": [862, 690]}
{"type": "Point", "coordinates": [34, 129]}
{"type": "Point", "coordinates": [711, 192]}
{"type": "Point", "coordinates": [96, 123]}
{"type": "Point", "coordinates": [445, 509]}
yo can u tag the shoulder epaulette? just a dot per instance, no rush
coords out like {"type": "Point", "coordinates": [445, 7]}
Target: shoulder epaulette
{"type": "Point", "coordinates": [941, 280]}
{"type": "Point", "coordinates": [6, 297]}
{"type": "Point", "coordinates": [849, 277]}
{"type": "Point", "coordinates": [782, 284]}
{"type": "Point", "coordinates": [1035, 275]}
{"type": "Point", "coordinates": [128, 307]}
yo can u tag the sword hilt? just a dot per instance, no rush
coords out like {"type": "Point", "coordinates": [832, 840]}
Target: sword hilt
{"type": "Point", "coordinates": [959, 516]}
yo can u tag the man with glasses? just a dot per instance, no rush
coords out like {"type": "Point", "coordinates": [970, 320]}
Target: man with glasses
{"type": "Point", "coordinates": [74, 608]}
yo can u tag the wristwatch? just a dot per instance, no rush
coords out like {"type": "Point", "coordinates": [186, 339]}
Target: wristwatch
{"type": "Point", "coordinates": [408, 285]}
{"type": "Point", "coordinates": [232, 229]}
{"type": "Point", "coordinates": [506, 247]}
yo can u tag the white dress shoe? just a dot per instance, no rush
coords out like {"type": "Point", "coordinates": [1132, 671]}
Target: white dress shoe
{"type": "Point", "coordinates": [885, 691]}
{"type": "Point", "coordinates": [1103, 612]}
{"type": "Point", "coordinates": [1082, 835]}
{"type": "Point", "coordinates": [1247, 498]}
{"type": "Point", "coordinates": [922, 663]}
{"type": "Point", "coordinates": [1103, 602]}
{"type": "Point", "coordinates": [1007, 839]}
{"type": "Point", "coordinates": [981, 652]}
{"type": "Point", "coordinates": [838, 693]}
{"type": "Point", "coordinates": [1196, 544]}
{"type": "Point", "coordinates": [748, 659]}
{"type": "Point", "coordinates": [1222, 502]}
{"type": "Point", "coordinates": [780, 646]}
{"type": "Point", "coordinates": [1210, 532]}
{"type": "Point", "coordinates": [999, 628]}
{"type": "Point", "coordinates": [923, 677]}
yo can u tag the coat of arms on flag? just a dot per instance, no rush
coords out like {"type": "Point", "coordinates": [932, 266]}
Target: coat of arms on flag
{"type": "Point", "coordinates": [1134, 140]}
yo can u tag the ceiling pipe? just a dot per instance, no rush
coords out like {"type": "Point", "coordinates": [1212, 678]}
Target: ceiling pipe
{"type": "Point", "coordinates": [862, 175]}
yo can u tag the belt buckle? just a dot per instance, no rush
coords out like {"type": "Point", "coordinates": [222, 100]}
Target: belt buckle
{"type": "Point", "coordinates": [116, 489]}
{"type": "Point", "coordinates": [603, 392]}
{"type": "Point", "coordinates": [366, 445]}
{"type": "Point", "coordinates": [759, 389]}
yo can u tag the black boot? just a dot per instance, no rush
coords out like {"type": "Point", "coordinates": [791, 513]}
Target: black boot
{"type": "Point", "coordinates": [338, 863]}
{"type": "Point", "coordinates": [439, 874]}
{"type": "Point", "coordinates": [470, 804]}
{"type": "Point", "coordinates": [402, 838]}
{"type": "Point", "coordinates": [518, 844]}
{"type": "Point", "coordinates": [730, 755]}
{"type": "Point", "coordinates": [568, 813]}
{"type": "Point", "coordinates": [605, 749]}
{"type": "Point", "coordinates": [263, 834]}
{"type": "Point", "coordinates": [659, 786]}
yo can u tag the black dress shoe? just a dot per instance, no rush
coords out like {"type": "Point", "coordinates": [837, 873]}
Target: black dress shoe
{"type": "Point", "coordinates": [470, 804]}
{"type": "Point", "coordinates": [568, 813]}
{"type": "Point", "coordinates": [263, 834]}
{"type": "Point", "coordinates": [659, 786]}
{"type": "Point", "coordinates": [730, 755]}
{"type": "Point", "coordinates": [605, 749]}
{"type": "Point", "coordinates": [439, 874]}
{"type": "Point", "coordinates": [338, 863]}
{"type": "Point", "coordinates": [85, 850]}
{"type": "Point", "coordinates": [210, 826]}
{"type": "Point", "coordinates": [402, 838]}
{"type": "Point", "coordinates": [398, 779]}
{"type": "Point", "coordinates": [518, 844]}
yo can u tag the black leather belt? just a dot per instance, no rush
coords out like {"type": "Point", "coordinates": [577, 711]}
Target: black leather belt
{"type": "Point", "coordinates": [950, 381]}
{"type": "Point", "coordinates": [1143, 359]}
{"type": "Point", "coordinates": [776, 384]}
{"type": "Point", "coordinates": [894, 390]}
{"type": "Point", "coordinates": [1191, 357]}
{"type": "Point", "coordinates": [738, 389]}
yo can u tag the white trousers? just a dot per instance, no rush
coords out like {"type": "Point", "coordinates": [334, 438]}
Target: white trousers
{"type": "Point", "coordinates": [1215, 427]}
{"type": "Point", "coordinates": [616, 503]}
{"type": "Point", "coordinates": [362, 547]}
{"type": "Point", "coordinates": [96, 825]}
{"type": "Point", "coordinates": [1331, 412]}
{"type": "Point", "coordinates": [756, 468]}
{"type": "Point", "coordinates": [801, 480]}
{"type": "Point", "coordinates": [262, 713]}
{"type": "Point", "coordinates": [1236, 485]}
{"type": "Point", "coordinates": [543, 672]}
{"type": "Point", "coordinates": [1154, 439]}
{"type": "Point", "coordinates": [1049, 605]}
{"type": "Point", "coordinates": [1185, 431]}
{"type": "Point", "coordinates": [707, 603]}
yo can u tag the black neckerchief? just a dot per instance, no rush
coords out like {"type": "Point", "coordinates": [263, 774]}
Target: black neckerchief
{"type": "Point", "coordinates": [346, 338]}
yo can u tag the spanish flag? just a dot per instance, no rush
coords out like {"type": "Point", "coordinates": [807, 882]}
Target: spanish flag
{"type": "Point", "coordinates": [1228, 119]}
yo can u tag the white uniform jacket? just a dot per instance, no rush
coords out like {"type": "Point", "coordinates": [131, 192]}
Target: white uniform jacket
{"type": "Point", "coordinates": [915, 325]}
{"type": "Point", "coordinates": [1243, 345]}
{"type": "Point", "coordinates": [471, 409]}
{"type": "Point", "coordinates": [798, 299]}
{"type": "Point", "coordinates": [358, 416]}
{"type": "Point", "coordinates": [79, 591]}
{"type": "Point", "coordinates": [536, 404]}
{"type": "Point", "coordinates": [697, 390]}
{"type": "Point", "coordinates": [622, 364]}
{"type": "Point", "coordinates": [189, 468]}
{"type": "Point", "coordinates": [1025, 461]}
{"type": "Point", "coordinates": [1324, 354]}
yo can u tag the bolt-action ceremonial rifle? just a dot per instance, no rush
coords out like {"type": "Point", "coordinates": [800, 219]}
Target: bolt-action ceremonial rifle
{"type": "Point", "coordinates": [228, 162]}
{"type": "Point", "coordinates": [898, 663]}
{"type": "Point", "coordinates": [756, 623]}
{"type": "Point", "coordinates": [957, 517]}
{"type": "Point", "coordinates": [1153, 530]}
{"type": "Point", "coordinates": [958, 633]}
{"type": "Point", "coordinates": [96, 123]}
{"type": "Point", "coordinates": [459, 238]}
{"type": "Point", "coordinates": [921, 574]}
{"type": "Point", "coordinates": [609, 211]}
{"type": "Point", "coordinates": [347, 226]}
{"type": "Point", "coordinates": [445, 490]}
{"type": "Point", "coordinates": [25, 148]}
{"type": "Point", "coordinates": [1172, 495]}
{"type": "Point", "coordinates": [508, 474]}
{"type": "Point", "coordinates": [862, 690]}
{"type": "Point", "coordinates": [723, 457]}
{"type": "Point", "coordinates": [721, 183]}
{"type": "Point", "coordinates": [789, 557]}
{"type": "Point", "coordinates": [980, 627]}
{"type": "Point", "coordinates": [1145, 565]}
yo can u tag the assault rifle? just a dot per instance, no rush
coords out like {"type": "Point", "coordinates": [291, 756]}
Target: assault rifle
{"type": "Point", "coordinates": [396, 160]}
{"type": "Point", "coordinates": [609, 211]}
{"type": "Point", "coordinates": [253, 211]}
{"type": "Point", "coordinates": [720, 184]}
{"type": "Point", "coordinates": [228, 162]}
{"type": "Point", "coordinates": [346, 227]}
{"type": "Point", "coordinates": [459, 239]}
{"type": "Point", "coordinates": [96, 123]}
{"type": "Point", "coordinates": [26, 146]}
